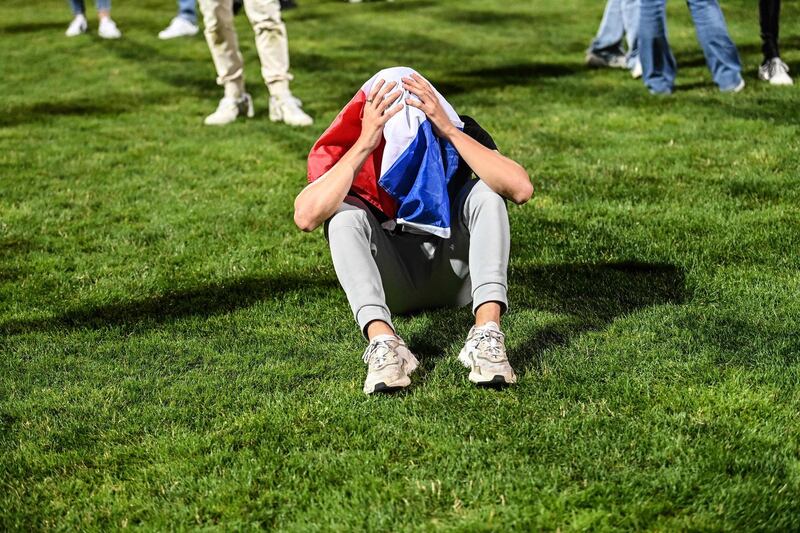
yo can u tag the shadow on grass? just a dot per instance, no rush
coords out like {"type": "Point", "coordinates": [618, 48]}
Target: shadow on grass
{"type": "Point", "coordinates": [173, 70]}
{"type": "Point", "coordinates": [32, 27]}
{"type": "Point", "coordinates": [588, 297]}
{"type": "Point", "coordinates": [214, 299]}
{"type": "Point", "coordinates": [526, 74]}
{"type": "Point", "coordinates": [77, 107]}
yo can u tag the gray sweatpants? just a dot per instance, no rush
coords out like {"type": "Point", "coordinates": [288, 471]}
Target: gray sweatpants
{"type": "Point", "coordinates": [385, 272]}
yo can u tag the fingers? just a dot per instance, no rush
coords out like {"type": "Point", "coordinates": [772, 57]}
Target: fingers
{"type": "Point", "coordinates": [382, 93]}
{"type": "Point", "coordinates": [388, 100]}
{"type": "Point", "coordinates": [414, 103]}
{"type": "Point", "coordinates": [393, 111]}
{"type": "Point", "coordinates": [421, 82]}
{"type": "Point", "coordinates": [375, 88]}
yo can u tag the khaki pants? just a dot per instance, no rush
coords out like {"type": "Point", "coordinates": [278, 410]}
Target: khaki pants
{"type": "Point", "coordinates": [271, 43]}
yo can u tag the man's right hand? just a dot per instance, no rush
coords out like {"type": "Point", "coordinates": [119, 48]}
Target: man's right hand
{"type": "Point", "coordinates": [377, 113]}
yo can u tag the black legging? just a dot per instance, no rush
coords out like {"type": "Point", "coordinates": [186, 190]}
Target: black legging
{"type": "Point", "coordinates": [769, 13]}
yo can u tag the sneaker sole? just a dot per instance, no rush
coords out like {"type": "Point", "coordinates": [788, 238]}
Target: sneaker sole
{"type": "Point", "coordinates": [497, 381]}
{"type": "Point", "coordinates": [386, 388]}
{"type": "Point", "coordinates": [383, 388]}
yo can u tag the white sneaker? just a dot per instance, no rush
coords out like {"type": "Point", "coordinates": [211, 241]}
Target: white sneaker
{"type": "Point", "coordinates": [739, 88]}
{"type": "Point", "coordinates": [288, 109]}
{"type": "Point", "coordinates": [178, 27]}
{"type": "Point", "coordinates": [776, 72]}
{"type": "Point", "coordinates": [636, 71]}
{"type": "Point", "coordinates": [77, 26]}
{"type": "Point", "coordinates": [485, 355]}
{"type": "Point", "coordinates": [389, 364]}
{"type": "Point", "coordinates": [108, 29]}
{"type": "Point", "coordinates": [229, 110]}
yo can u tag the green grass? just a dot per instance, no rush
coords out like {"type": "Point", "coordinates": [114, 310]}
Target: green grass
{"type": "Point", "coordinates": [176, 355]}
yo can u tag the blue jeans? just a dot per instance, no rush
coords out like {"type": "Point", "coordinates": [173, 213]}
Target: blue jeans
{"type": "Point", "coordinates": [79, 8]}
{"type": "Point", "coordinates": [658, 64]}
{"type": "Point", "coordinates": [621, 17]}
{"type": "Point", "coordinates": [187, 9]}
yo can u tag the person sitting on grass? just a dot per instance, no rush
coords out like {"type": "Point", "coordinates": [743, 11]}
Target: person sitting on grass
{"type": "Point", "coordinates": [396, 258]}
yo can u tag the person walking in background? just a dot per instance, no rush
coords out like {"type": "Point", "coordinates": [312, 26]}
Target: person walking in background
{"type": "Point", "coordinates": [273, 51]}
{"type": "Point", "coordinates": [107, 28]}
{"type": "Point", "coordinates": [773, 69]}
{"type": "Point", "coordinates": [620, 19]}
{"type": "Point", "coordinates": [658, 64]}
{"type": "Point", "coordinates": [185, 22]}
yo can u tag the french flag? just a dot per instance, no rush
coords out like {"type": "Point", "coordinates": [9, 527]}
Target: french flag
{"type": "Point", "coordinates": [406, 177]}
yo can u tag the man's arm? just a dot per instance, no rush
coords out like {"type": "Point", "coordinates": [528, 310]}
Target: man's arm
{"type": "Point", "coordinates": [504, 176]}
{"type": "Point", "coordinates": [320, 200]}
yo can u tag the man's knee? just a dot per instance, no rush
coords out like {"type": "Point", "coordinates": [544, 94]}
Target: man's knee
{"type": "Point", "coordinates": [264, 15]}
{"type": "Point", "coordinates": [482, 198]}
{"type": "Point", "coordinates": [348, 217]}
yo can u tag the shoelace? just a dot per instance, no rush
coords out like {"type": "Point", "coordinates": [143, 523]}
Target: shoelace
{"type": "Point", "coordinates": [372, 353]}
{"type": "Point", "coordinates": [775, 65]}
{"type": "Point", "coordinates": [494, 340]}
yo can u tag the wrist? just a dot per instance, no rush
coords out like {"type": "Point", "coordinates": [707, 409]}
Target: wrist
{"type": "Point", "coordinates": [365, 144]}
{"type": "Point", "coordinates": [450, 132]}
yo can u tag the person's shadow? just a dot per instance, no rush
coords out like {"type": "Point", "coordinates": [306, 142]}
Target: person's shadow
{"type": "Point", "coordinates": [584, 297]}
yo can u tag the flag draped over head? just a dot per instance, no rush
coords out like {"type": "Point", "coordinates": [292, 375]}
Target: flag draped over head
{"type": "Point", "coordinates": [406, 176]}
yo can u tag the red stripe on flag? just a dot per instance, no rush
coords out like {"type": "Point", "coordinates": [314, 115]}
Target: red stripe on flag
{"type": "Point", "coordinates": [340, 136]}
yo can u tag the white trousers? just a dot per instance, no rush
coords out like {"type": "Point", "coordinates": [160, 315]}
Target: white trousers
{"type": "Point", "coordinates": [271, 42]}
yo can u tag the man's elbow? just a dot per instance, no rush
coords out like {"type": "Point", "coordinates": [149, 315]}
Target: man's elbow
{"type": "Point", "coordinates": [524, 190]}
{"type": "Point", "coordinates": [304, 221]}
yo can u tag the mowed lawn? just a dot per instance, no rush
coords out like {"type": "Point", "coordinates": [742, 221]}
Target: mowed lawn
{"type": "Point", "coordinates": [174, 354]}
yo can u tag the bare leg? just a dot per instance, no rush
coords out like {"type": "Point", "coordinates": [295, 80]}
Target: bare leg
{"type": "Point", "coordinates": [488, 312]}
{"type": "Point", "coordinates": [378, 327]}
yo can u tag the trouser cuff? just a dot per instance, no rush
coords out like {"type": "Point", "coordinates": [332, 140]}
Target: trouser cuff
{"type": "Point", "coordinates": [370, 313]}
{"type": "Point", "coordinates": [490, 292]}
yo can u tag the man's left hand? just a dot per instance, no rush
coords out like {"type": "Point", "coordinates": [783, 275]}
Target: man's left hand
{"type": "Point", "coordinates": [429, 104]}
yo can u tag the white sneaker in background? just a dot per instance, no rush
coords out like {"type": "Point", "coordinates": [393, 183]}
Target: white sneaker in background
{"type": "Point", "coordinates": [485, 355]}
{"type": "Point", "coordinates": [178, 27]}
{"type": "Point", "coordinates": [389, 363]}
{"type": "Point", "coordinates": [775, 71]}
{"type": "Point", "coordinates": [77, 26]}
{"type": "Point", "coordinates": [229, 110]}
{"type": "Point", "coordinates": [108, 29]}
{"type": "Point", "coordinates": [636, 71]}
{"type": "Point", "coordinates": [288, 109]}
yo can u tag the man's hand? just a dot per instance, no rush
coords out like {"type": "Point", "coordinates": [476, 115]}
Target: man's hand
{"type": "Point", "coordinates": [429, 104]}
{"type": "Point", "coordinates": [377, 113]}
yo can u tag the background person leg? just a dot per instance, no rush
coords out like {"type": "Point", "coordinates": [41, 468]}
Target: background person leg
{"type": "Point", "coordinates": [720, 52]}
{"type": "Point", "coordinates": [187, 10]}
{"type": "Point", "coordinates": [224, 45]}
{"type": "Point", "coordinates": [606, 48]}
{"type": "Point", "coordinates": [272, 43]}
{"type": "Point", "coordinates": [630, 22]}
{"type": "Point", "coordinates": [658, 63]}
